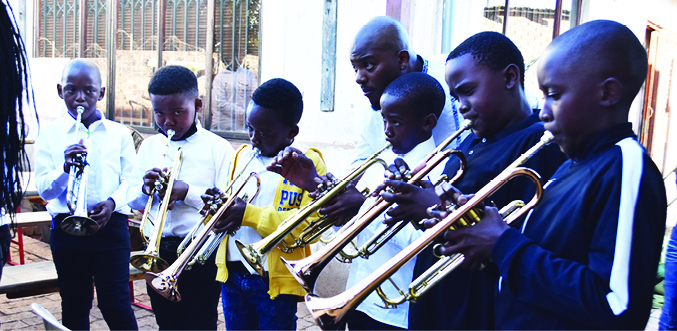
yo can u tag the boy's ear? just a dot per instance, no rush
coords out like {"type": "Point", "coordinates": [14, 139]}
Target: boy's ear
{"type": "Point", "coordinates": [429, 122]}
{"type": "Point", "coordinates": [611, 92]}
{"type": "Point", "coordinates": [403, 59]}
{"type": "Point", "coordinates": [59, 90]}
{"type": "Point", "coordinates": [102, 92]}
{"type": "Point", "coordinates": [512, 76]}
{"type": "Point", "coordinates": [293, 131]}
{"type": "Point", "coordinates": [198, 105]}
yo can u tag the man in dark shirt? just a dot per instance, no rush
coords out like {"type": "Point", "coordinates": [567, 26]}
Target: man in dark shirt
{"type": "Point", "coordinates": [586, 256]}
{"type": "Point", "coordinates": [485, 73]}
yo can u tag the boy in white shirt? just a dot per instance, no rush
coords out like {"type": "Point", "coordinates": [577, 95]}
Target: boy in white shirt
{"type": "Point", "coordinates": [110, 154]}
{"type": "Point", "coordinates": [174, 94]}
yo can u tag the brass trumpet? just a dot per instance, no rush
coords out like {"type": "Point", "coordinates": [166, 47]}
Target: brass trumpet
{"type": "Point", "coordinates": [330, 313]}
{"type": "Point", "coordinates": [165, 282]}
{"type": "Point", "coordinates": [78, 223]}
{"type": "Point", "coordinates": [214, 239]}
{"type": "Point", "coordinates": [307, 271]}
{"type": "Point", "coordinates": [255, 253]}
{"type": "Point", "coordinates": [149, 259]}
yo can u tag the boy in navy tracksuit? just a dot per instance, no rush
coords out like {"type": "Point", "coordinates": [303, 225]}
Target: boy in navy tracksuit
{"type": "Point", "coordinates": [586, 256]}
{"type": "Point", "coordinates": [485, 74]}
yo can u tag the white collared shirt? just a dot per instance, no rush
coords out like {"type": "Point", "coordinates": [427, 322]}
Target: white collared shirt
{"type": "Point", "coordinates": [110, 153]}
{"type": "Point", "coordinates": [361, 268]}
{"type": "Point", "coordinates": [206, 158]}
{"type": "Point", "coordinates": [372, 136]}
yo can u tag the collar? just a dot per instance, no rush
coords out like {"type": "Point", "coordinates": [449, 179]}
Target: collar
{"type": "Point", "coordinates": [521, 125]}
{"type": "Point", "coordinates": [603, 140]}
{"type": "Point", "coordinates": [425, 63]}
{"type": "Point", "coordinates": [419, 151]}
{"type": "Point", "coordinates": [99, 124]}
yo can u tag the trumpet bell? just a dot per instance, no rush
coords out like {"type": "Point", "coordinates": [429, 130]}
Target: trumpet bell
{"type": "Point", "coordinates": [164, 285]}
{"type": "Point", "coordinates": [327, 312]}
{"type": "Point", "coordinates": [253, 257]}
{"type": "Point", "coordinates": [306, 278]}
{"type": "Point", "coordinates": [148, 262]}
{"type": "Point", "coordinates": [80, 226]}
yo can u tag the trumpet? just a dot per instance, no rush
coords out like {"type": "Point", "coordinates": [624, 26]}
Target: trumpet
{"type": "Point", "coordinates": [149, 259]}
{"type": "Point", "coordinates": [165, 282]}
{"type": "Point", "coordinates": [330, 313]}
{"type": "Point", "coordinates": [255, 253]}
{"type": "Point", "coordinates": [307, 271]}
{"type": "Point", "coordinates": [78, 224]}
{"type": "Point", "coordinates": [214, 239]}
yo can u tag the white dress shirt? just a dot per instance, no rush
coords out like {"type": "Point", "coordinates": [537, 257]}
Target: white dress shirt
{"type": "Point", "coordinates": [362, 268]}
{"type": "Point", "coordinates": [372, 136]}
{"type": "Point", "coordinates": [110, 153]}
{"type": "Point", "coordinates": [206, 158]}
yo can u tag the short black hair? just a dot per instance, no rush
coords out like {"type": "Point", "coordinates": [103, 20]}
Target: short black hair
{"type": "Point", "coordinates": [420, 91]}
{"type": "Point", "coordinates": [173, 79]}
{"type": "Point", "coordinates": [604, 48]}
{"type": "Point", "coordinates": [283, 98]}
{"type": "Point", "coordinates": [492, 50]}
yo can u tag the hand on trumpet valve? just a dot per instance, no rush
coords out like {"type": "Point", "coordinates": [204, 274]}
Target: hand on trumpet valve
{"type": "Point", "coordinates": [323, 185]}
{"type": "Point", "coordinates": [475, 242]}
{"type": "Point", "coordinates": [212, 198]}
{"type": "Point", "coordinates": [398, 171]}
{"type": "Point", "coordinates": [343, 206]}
{"type": "Point", "coordinates": [153, 180]}
{"type": "Point", "coordinates": [412, 201]}
{"type": "Point", "coordinates": [74, 156]}
{"type": "Point", "coordinates": [101, 212]}
{"type": "Point", "coordinates": [232, 218]}
{"type": "Point", "coordinates": [296, 167]}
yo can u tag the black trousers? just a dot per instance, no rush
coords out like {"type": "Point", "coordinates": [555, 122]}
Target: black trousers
{"type": "Point", "coordinates": [102, 258]}
{"type": "Point", "coordinates": [199, 291]}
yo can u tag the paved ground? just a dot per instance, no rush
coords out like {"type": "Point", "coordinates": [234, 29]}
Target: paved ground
{"type": "Point", "coordinates": [16, 314]}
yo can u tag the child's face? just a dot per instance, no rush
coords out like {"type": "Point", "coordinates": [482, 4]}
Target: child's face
{"type": "Point", "coordinates": [479, 91]}
{"type": "Point", "coordinates": [404, 129]}
{"type": "Point", "coordinates": [267, 133]}
{"type": "Point", "coordinates": [80, 87]}
{"type": "Point", "coordinates": [569, 96]}
{"type": "Point", "coordinates": [175, 112]}
{"type": "Point", "coordinates": [374, 70]}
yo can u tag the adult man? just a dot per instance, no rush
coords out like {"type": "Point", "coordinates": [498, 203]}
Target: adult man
{"type": "Point", "coordinates": [381, 54]}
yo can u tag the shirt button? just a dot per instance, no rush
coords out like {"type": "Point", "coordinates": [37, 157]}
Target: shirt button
{"type": "Point", "coordinates": [471, 152]}
{"type": "Point", "coordinates": [484, 140]}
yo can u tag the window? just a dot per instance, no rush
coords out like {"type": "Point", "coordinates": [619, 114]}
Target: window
{"type": "Point", "coordinates": [225, 83]}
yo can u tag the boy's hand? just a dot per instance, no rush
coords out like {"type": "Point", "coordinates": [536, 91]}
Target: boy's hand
{"type": "Point", "coordinates": [179, 192]}
{"type": "Point", "coordinates": [102, 211]}
{"type": "Point", "coordinates": [232, 218]}
{"type": "Point", "coordinates": [208, 198]}
{"type": "Point", "coordinates": [342, 206]}
{"type": "Point", "coordinates": [294, 166]}
{"type": "Point", "coordinates": [69, 156]}
{"type": "Point", "coordinates": [475, 242]}
{"type": "Point", "coordinates": [448, 195]}
{"type": "Point", "coordinates": [149, 178]}
{"type": "Point", "coordinates": [412, 201]}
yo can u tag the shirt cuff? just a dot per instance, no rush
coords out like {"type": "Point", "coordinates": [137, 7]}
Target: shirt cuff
{"type": "Point", "coordinates": [194, 197]}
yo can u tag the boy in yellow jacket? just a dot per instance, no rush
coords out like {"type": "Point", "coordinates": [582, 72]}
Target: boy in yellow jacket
{"type": "Point", "coordinates": [251, 301]}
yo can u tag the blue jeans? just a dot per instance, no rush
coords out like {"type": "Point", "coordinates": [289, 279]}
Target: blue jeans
{"type": "Point", "coordinates": [247, 304]}
{"type": "Point", "coordinates": [668, 320]}
{"type": "Point", "coordinates": [102, 258]}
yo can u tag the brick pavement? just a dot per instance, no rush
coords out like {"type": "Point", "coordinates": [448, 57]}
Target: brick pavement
{"type": "Point", "coordinates": [16, 314]}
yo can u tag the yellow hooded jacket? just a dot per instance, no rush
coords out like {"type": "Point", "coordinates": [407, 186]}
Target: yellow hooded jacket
{"type": "Point", "coordinates": [265, 220]}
